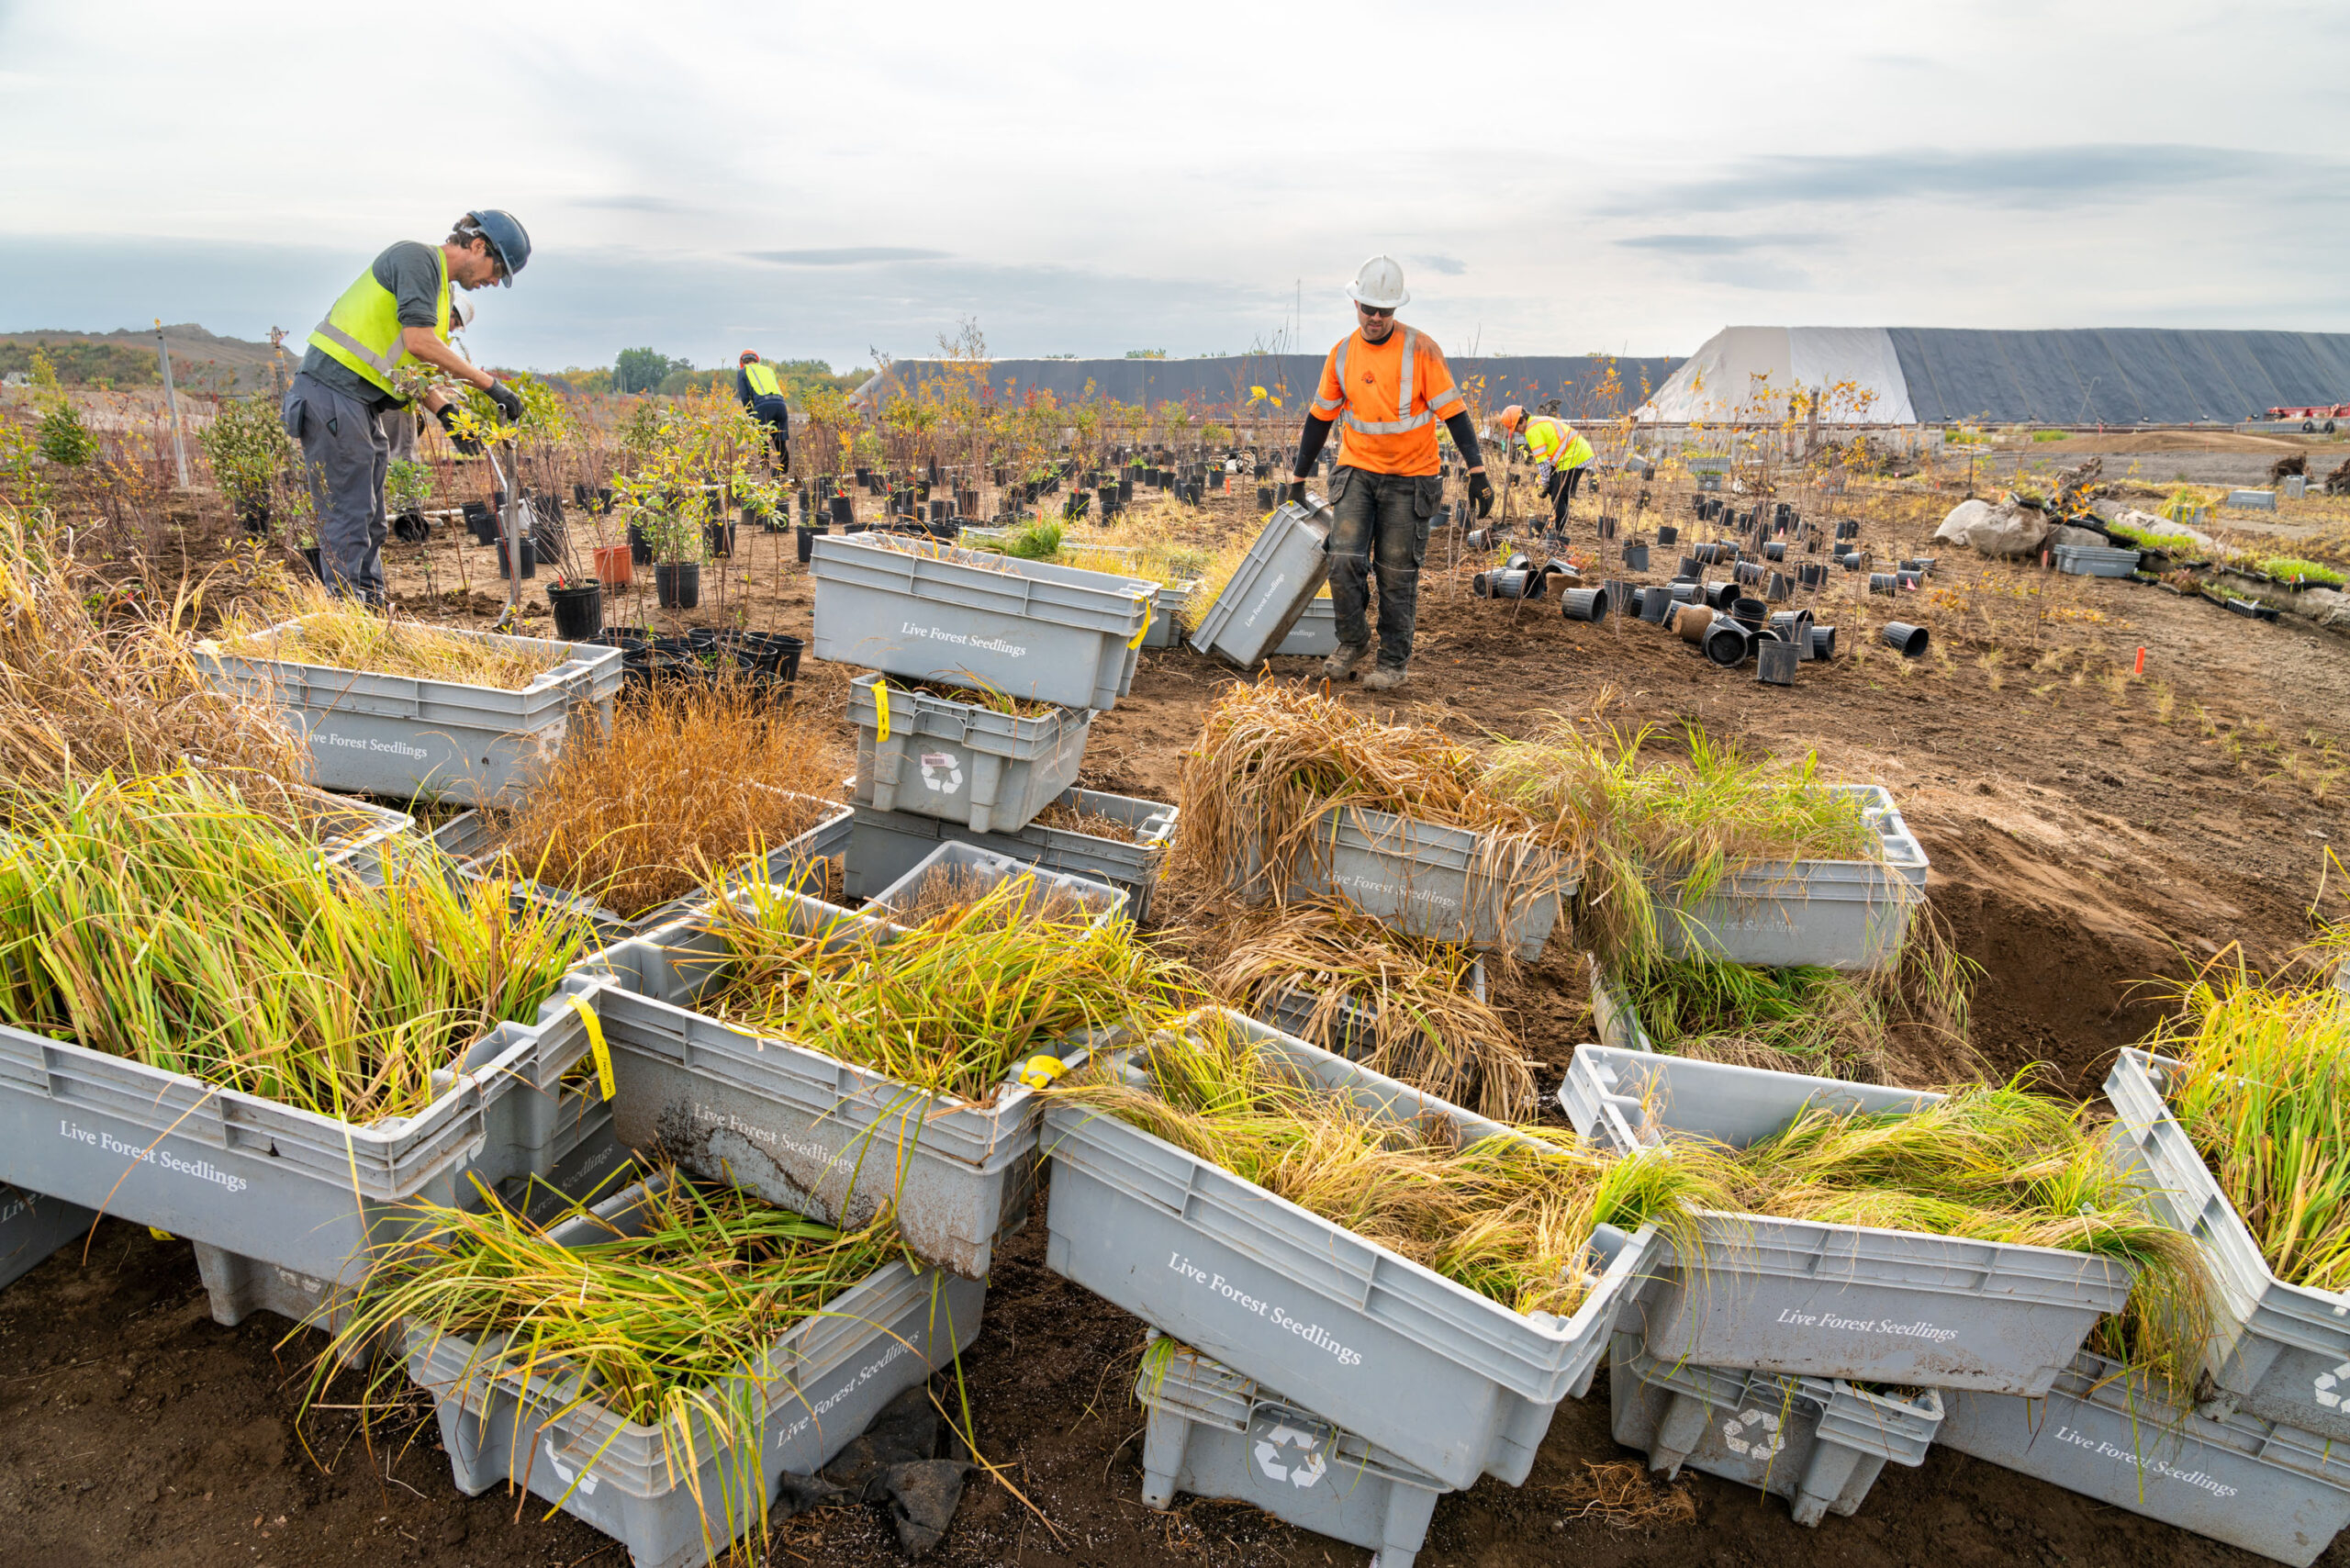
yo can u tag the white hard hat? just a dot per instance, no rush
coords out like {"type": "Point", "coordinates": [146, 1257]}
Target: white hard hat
{"type": "Point", "coordinates": [1379, 284]}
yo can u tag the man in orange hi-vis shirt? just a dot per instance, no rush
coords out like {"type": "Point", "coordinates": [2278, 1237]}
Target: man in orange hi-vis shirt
{"type": "Point", "coordinates": [1386, 386]}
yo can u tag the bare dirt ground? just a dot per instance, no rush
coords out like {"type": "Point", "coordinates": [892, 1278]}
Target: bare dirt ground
{"type": "Point", "coordinates": [2090, 828]}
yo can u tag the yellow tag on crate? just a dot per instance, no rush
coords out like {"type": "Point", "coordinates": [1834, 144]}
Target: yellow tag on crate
{"type": "Point", "coordinates": [161, 1235]}
{"type": "Point", "coordinates": [881, 702]}
{"type": "Point", "coordinates": [1040, 1070]}
{"type": "Point", "coordinates": [602, 1052]}
{"type": "Point", "coordinates": [1144, 600]}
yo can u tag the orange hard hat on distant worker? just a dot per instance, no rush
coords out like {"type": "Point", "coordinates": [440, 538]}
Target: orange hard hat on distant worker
{"type": "Point", "coordinates": [1511, 418]}
{"type": "Point", "coordinates": [748, 356]}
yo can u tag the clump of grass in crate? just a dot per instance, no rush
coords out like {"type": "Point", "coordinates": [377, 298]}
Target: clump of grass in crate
{"type": "Point", "coordinates": [690, 779]}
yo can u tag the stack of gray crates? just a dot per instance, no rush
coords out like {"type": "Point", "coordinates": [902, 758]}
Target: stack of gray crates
{"type": "Point", "coordinates": [1754, 1344]}
{"type": "Point", "coordinates": [934, 769]}
{"type": "Point", "coordinates": [1305, 1369]}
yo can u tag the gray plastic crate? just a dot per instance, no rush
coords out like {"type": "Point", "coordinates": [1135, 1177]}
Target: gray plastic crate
{"type": "Point", "coordinates": [1214, 1433]}
{"type": "Point", "coordinates": [803, 1129]}
{"type": "Point", "coordinates": [1028, 629]}
{"type": "Point", "coordinates": [1616, 1021]}
{"type": "Point", "coordinates": [2095, 561]}
{"type": "Point", "coordinates": [2277, 1350]}
{"type": "Point", "coordinates": [1880, 1307]}
{"type": "Point", "coordinates": [883, 845]}
{"type": "Point", "coordinates": [1316, 635]}
{"type": "Point", "coordinates": [984, 869]}
{"type": "Point", "coordinates": [32, 1226]}
{"type": "Point", "coordinates": [1166, 614]}
{"type": "Point", "coordinates": [2254, 501]}
{"type": "Point", "coordinates": [818, 1387]}
{"type": "Point", "coordinates": [1428, 880]}
{"type": "Point", "coordinates": [1271, 586]}
{"type": "Point", "coordinates": [1819, 1442]}
{"type": "Point", "coordinates": [2102, 1431]}
{"type": "Point", "coordinates": [1291, 1009]}
{"type": "Point", "coordinates": [359, 848]}
{"type": "Point", "coordinates": [470, 839]}
{"type": "Point", "coordinates": [255, 1179]}
{"type": "Point", "coordinates": [396, 735]}
{"type": "Point", "coordinates": [1447, 1380]}
{"type": "Point", "coordinates": [1839, 915]}
{"type": "Point", "coordinates": [990, 771]}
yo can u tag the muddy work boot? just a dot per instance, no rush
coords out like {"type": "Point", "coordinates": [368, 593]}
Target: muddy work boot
{"type": "Point", "coordinates": [1341, 665]}
{"type": "Point", "coordinates": [1386, 678]}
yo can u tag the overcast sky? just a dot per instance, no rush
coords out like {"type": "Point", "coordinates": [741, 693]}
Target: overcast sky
{"type": "Point", "coordinates": [826, 180]}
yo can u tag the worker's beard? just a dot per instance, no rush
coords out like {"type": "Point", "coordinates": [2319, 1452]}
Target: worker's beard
{"type": "Point", "coordinates": [1379, 336]}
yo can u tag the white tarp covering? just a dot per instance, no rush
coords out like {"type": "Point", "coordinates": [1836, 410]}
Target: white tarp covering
{"type": "Point", "coordinates": [1750, 371]}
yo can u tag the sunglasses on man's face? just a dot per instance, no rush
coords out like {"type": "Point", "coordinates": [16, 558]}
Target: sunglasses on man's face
{"type": "Point", "coordinates": [1374, 312]}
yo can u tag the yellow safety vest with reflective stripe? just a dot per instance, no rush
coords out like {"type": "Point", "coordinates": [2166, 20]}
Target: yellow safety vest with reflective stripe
{"type": "Point", "coordinates": [761, 374]}
{"type": "Point", "coordinates": [1557, 443]}
{"type": "Point", "coordinates": [362, 331]}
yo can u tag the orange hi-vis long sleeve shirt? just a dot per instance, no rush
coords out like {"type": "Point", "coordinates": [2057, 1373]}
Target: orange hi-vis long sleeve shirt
{"type": "Point", "coordinates": [1386, 398]}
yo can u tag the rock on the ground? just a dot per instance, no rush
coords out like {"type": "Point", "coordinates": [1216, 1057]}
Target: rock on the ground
{"type": "Point", "coordinates": [2079, 538]}
{"type": "Point", "coordinates": [2005, 530]}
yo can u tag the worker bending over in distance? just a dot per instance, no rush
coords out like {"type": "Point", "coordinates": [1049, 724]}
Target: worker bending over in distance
{"type": "Point", "coordinates": [762, 393]}
{"type": "Point", "coordinates": [396, 316]}
{"type": "Point", "coordinates": [1560, 452]}
{"type": "Point", "coordinates": [1385, 384]}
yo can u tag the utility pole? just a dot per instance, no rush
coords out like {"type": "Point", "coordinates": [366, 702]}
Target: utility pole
{"type": "Point", "coordinates": [170, 399]}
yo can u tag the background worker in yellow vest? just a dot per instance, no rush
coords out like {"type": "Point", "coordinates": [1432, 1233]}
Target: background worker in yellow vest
{"type": "Point", "coordinates": [761, 390]}
{"type": "Point", "coordinates": [1385, 384]}
{"type": "Point", "coordinates": [395, 315]}
{"type": "Point", "coordinates": [1560, 452]}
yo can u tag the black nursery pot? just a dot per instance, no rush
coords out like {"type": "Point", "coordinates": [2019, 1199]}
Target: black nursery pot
{"type": "Point", "coordinates": [807, 540]}
{"type": "Point", "coordinates": [640, 549]}
{"type": "Point", "coordinates": [722, 540]}
{"type": "Point", "coordinates": [527, 550]}
{"type": "Point", "coordinates": [579, 612]}
{"type": "Point", "coordinates": [679, 583]}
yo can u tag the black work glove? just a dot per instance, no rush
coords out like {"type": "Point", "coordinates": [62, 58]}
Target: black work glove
{"type": "Point", "coordinates": [1297, 492]}
{"type": "Point", "coordinates": [509, 401]}
{"type": "Point", "coordinates": [466, 444]}
{"type": "Point", "coordinates": [1481, 494]}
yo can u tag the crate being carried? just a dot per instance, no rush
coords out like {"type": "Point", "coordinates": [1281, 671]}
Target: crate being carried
{"type": "Point", "coordinates": [1028, 630]}
{"type": "Point", "coordinates": [1271, 586]}
{"type": "Point", "coordinates": [410, 736]}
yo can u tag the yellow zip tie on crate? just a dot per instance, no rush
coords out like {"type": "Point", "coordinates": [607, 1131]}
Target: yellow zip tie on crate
{"type": "Point", "coordinates": [882, 701]}
{"type": "Point", "coordinates": [1040, 1070]}
{"type": "Point", "coordinates": [602, 1052]}
{"type": "Point", "coordinates": [1147, 610]}
{"type": "Point", "coordinates": [161, 1235]}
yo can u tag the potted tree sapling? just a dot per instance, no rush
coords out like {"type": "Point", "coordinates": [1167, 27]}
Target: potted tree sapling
{"type": "Point", "coordinates": [407, 485]}
{"type": "Point", "coordinates": [249, 450]}
{"type": "Point", "coordinates": [680, 541]}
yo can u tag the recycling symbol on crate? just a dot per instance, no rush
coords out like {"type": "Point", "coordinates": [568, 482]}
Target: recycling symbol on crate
{"type": "Point", "coordinates": [1754, 1434]}
{"type": "Point", "coordinates": [1284, 1453]}
{"type": "Point", "coordinates": [2329, 1391]}
{"type": "Point", "coordinates": [936, 763]}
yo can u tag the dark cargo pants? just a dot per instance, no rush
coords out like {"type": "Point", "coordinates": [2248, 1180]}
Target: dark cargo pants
{"type": "Point", "coordinates": [344, 448]}
{"type": "Point", "coordinates": [1382, 520]}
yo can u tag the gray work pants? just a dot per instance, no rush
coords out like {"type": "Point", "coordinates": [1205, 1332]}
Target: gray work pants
{"type": "Point", "coordinates": [344, 449]}
{"type": "Point", "coordinates": [1382, 519]}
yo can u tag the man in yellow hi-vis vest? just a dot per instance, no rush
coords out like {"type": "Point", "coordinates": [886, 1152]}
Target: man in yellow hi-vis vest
{"type": "Point", "coordinates": [395, 315]}
{"type": "Point", "coordinates": [761, 390]}
{"type": "Point", "coordinates": [1560, 452]}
